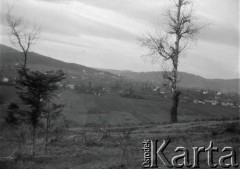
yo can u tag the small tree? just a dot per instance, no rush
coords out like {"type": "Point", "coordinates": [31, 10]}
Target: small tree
{"type": "Point", "coordinates": [14, 121]}
{"type": "Point", "coordinates": [36, 89]}
{"type": "Point", "coordinates": [51, 113]}
{"type": "Point", "coordinates": [170, 43]}
{"type": "Point", "coordinates": [12, 113]}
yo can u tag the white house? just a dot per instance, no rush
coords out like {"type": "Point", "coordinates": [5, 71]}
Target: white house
{"type": "Point", "coordinates": [205, 92]}
{"type": "Point", "coordinates": [5, 79]}
{"type": "Point", "coordinates": [70, 86]}
{"type": "Point", "coordinates": [198, 102]}
{"type": "Point", "coordinates": [214, 103]}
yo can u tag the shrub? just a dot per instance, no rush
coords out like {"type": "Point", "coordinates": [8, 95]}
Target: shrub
{"type": "Point", "coordinates": [232, 128]}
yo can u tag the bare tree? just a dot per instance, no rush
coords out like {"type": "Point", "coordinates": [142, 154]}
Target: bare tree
{"type": "Point", "coordinates": [22, 34]}
{"type": "Point", "coordinates": [52, 112]}
{"type": "Point", "coordinates": [169, 44]}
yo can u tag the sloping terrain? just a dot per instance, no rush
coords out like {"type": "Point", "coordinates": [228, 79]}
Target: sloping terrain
{"type": "Point", "coordinates": [187, 80]}
{"type": "Point", "coordinates": [84, 109]}
{"type": "Point", "coordinates": [76, 74]}
{"type": "Point", "coordinates": [129, 121]}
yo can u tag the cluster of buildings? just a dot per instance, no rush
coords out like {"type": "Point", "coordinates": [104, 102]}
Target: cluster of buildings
{"type": "Point", "coordinates": [197, 96]}
{"type": "Point", "coordinates": [217, 99]}
{"type": "Point", "coordinates": [215, 102]}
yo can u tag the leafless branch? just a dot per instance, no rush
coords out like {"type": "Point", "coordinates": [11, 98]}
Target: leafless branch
{"type": "Point", "coordinates": [181, 28]}
{"type": "Point", "coordinates": [171, 43]}
{"type": "Point", "coordinates": [158, 46]}
{"type": "Point", "coordinates": [22, 35]}
{"type": "Point", "coordinates": [10, 157]}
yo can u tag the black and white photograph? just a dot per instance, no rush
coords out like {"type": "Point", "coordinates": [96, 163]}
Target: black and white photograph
{"type": "Point", "coordinates": [119, 84]}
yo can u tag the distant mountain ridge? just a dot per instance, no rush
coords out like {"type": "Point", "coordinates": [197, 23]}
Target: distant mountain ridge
{"type": "Point", "coordinates": [77, 74]}
{"type": "Point", "coordinates": [186, 80]}
{"type": "Point", "coordinates": [10, 55]}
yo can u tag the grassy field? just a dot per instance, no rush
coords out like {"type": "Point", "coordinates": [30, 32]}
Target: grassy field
{"type": "Point", "coordinates": [84, 109]}
{"type": "Point", "coordinates": [130, 122]}
{"type": "Point", "coordinates": [127, 111]}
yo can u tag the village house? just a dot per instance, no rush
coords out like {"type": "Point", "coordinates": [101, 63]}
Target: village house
{"type": "Point", "coordinates": [205, 92]}
{"type": "Point", "coordinates": [5, 80]}
{"type": "Point", "coordinates": [212, 102]}
{"type": "Point", "coordinates": [198, 102]}
{"type": "Point", "coordinates": [227, 104]}
{"type": "Point", "coordinates": [70, 86]}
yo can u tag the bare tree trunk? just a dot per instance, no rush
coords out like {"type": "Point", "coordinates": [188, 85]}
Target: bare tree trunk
{"type": "Point", "coordinates": [46, 133]}
{"type": "Point", "coordinates": [33, 140]}
{"type": "Point", "coordinates": [25, 53]}
{"type": "Point", "coordinates": [175, 99]}
{"type": "Point", "coordinates": [175, 92]}
{"type": "Point", "coordinates": [47, 128]}
{"type": "Point", "coordinates": [181, 29]}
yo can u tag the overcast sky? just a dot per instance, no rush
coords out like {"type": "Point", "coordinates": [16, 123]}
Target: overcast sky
{"type": "Point", "coordinates": [103, 33]}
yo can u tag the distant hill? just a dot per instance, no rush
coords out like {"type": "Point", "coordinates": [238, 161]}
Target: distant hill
{"type": "Point", "coordinates": [77, 74]}
{"type": "Point", "coordinates": [186, 80]}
